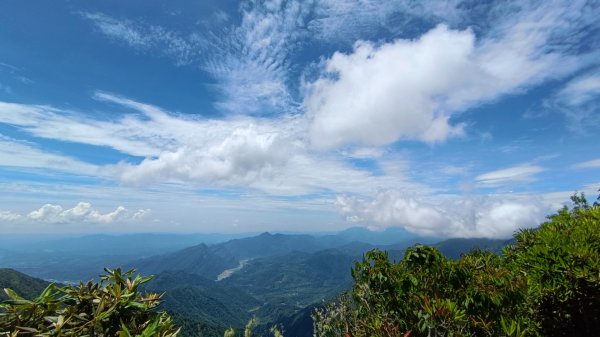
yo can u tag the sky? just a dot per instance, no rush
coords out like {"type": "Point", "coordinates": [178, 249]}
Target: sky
{"type": "Point", "coordinates": [446, 118]}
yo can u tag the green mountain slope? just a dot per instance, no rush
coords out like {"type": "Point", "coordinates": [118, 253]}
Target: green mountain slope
{"type": "Point", "coordinates": [24, 285]}
{"type": "Point", "coordinates": [210, 261]}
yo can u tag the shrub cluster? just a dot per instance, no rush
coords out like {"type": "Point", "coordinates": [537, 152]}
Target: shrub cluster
{"type": "Point", "coordinates": [113, 307]}
{"type": "Point", "coordinates": [546, 284]}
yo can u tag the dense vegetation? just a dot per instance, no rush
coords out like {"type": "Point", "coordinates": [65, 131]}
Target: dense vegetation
{"type": "Point", "coordinates": [545, 284]}
{"type": "Point", "coordinates": [113, 307]}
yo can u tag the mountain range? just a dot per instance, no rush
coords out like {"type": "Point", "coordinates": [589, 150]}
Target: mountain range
{"type": "Point", "coordinates": [212, 285]}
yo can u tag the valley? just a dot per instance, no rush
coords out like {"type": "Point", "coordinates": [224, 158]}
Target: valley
{"type": "Point", "coordinates": [212, 285]}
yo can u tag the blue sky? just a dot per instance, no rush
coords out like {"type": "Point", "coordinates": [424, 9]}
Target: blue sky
{"type": "Point", "coordinates": [448, 118]}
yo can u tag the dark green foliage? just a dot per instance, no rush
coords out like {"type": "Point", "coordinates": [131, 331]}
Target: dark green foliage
{"type": "Point", "coordinates": [294, 281]}
{"type": "Point", "coordinates": [424, 293]}
{"type": "Point", "coordinates": [113, 307]}
{"type": "Point", "coordinates": [196, 328]}
{"type": "Point", "coordinates": [29, 287]}
{"type": "Point", "coordinates": [562, 262]}
{"type": "Point", "coordinates": [546, 284]}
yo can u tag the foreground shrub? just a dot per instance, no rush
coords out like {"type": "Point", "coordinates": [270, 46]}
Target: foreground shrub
{"type": "Point", "coordinates": [562, 262]}
{"type": "Point", "coordinates": [546, 284]}
{"type": "Point", "coordinates": [113, 307]}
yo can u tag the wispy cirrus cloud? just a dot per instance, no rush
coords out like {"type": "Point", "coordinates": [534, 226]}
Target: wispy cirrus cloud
{"type": "Point", "coordinates": [183, 50]}
{"type": "Point", "coordinates": [249, 61]}
{"type": "Point", "coordinates": [345, 21]}
{"type": "Point", "coordinates": [511, 175]}
{"type": "Point", "coordinates": [19, 154]}
{"type": "Point", "coordinates": [52, 123]}
{"type": "Point", "coordinates": [590, 164]}
{"type": "Point", "coordinates": [579, 101]}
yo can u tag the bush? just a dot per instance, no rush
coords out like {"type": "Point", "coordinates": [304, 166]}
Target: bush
{"type": "Point", "coordinates": [547, 283]}
{"type": "Point", "coordinates": [113, 307]}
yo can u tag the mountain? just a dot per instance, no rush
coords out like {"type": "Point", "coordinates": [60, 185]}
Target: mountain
{"type": "Point", "coordinates": [300, 324]}
{"type": "Point", "coordinates": [24, 285]}
{"type": "Point", "coordinates": [204, 300]}
{"type": "Point", "coordinates": [202, 260]}
{"type": "Point", "coordinates": [210, 261]}
{"type": "Point", "coordinates": [295, 280]}
{"type": "Point", "coordinates": [73, 258]}
{"type": "Point", "coordinates": [144, 244]}
{"type": "Point", "coordinates": [281, 277]}
{"type": "Point", "coordinates": [389, 236]}
{"type": "Point", "coordinates": [453, 248]}
{"type": "Point", "coordinates": [70, 258]}
{"type": "Point", "coordinates": [278, 278]}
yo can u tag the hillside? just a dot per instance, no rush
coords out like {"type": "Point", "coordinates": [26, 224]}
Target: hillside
{"type": "Point", "coordinates": [453, 248]}
{"type": "Point", "coordinates": [209, 261]}
{"type": "Point", "coordinates": [24, 285]}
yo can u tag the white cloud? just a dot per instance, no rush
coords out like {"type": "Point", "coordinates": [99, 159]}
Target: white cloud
{"type": "Point", "coordinates": [184, 50]}
{"type": "Point", "coordinates": [595, 163]}
{"type": "Point", "coordinates": [349, 20]}
{"type": "Point", "coordinates": [247, 154]}
{"type": "Point", "coordinates": [516, 174]}
{"type": "Point", "coordinates": [581, 89]}
{"type": "Point", "coordinates": [268, 155]}
{"type": "Point", "coordinates": [51, 123]}
{"type": "Point", "coordinates": [6, 216]}
{"type": "Point", "coordinates": [251, 61]}
{"type": "Point", "coordinates": [14, 153]}
{"type": "Point", "coordinates": [141, 214]}
{"type": "Point", "coordinates": [82, 212]}
{"type": "Point", "coordinates": [453, 216]}
{"type": "Point", "coordinates": [410, 89]}
{"type": "Point", "coordinates": [579, 101]}
{"type": "Point", "coordinates": [391, 90]}
{"type": "Point", "coordinates": [364, 152]}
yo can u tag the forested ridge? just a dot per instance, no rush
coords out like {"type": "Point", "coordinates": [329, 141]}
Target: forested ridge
{"type": "Point", "coordinates": [545, 282]}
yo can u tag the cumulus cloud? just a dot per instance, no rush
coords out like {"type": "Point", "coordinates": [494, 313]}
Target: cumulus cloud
{"type": "Point", "coordinates": [247, 154]}
{"type": "Point", "coordinates": [454, 216]}
{"type": "Point", "coordinates": [392, 88]}
{"type": "Point", "coordinates": [410, 89]}
{"type": "Point", "coordinates": [82, 212]}
{"type": "Point", "coordinates": [516, 174]}
{"type": "Point", "coordinates": [6, 216]}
